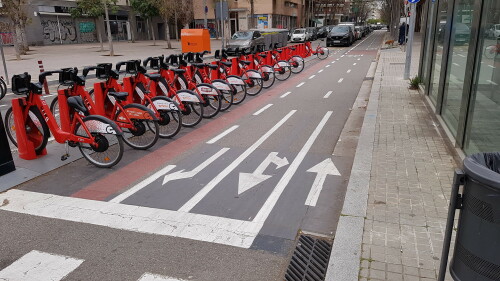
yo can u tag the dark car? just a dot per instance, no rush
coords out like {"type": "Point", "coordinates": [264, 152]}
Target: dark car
{"type": "Point", "coordinates": [340, 35]}
{"type": "Point", "coordinates": [323, 31]}
{"type": "Point", "coordinates": [314, 33]}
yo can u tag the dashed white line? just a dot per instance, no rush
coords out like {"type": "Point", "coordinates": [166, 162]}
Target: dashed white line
{"type": "Point", "coordinates": [327, 65]}
{"type": "Point", "coordinates": [491, 66]}
{"type": "Point", "coordinates": [341, 79]}
{"type": "Point", "coordinates": [312, 76]}
{"type": "Point", "coordinates": [342, 56]}
{"type": "Point", "coordinates": [262, 109]}
{"type": "Point", "coordinates": [223, 134]}
{"type": "Point", "coordinates": [355, 63]}
{"type": "Point", "coordinates": [348, 71]}
{"type": "Point", "coordinates": [300, 85]}
{"type": "Point", "coordinates": [285, 94]}
{"type": "Point", "coordinates": [321, 70]}
{"type": "Point", "coordinates": [491, 82]}
{"type": "Point", "coordinates": [334, 61]}
{"type": "Point", "coordinates": [461, 55]}
{"type": "Point", "coordinates": [456, 64]}
{"type": "Point", "coordinates": [328, 94]}
{"type": "Point", "coordinates": [359, 58]}
{"type": "Point", "coordinates": [2, 105]}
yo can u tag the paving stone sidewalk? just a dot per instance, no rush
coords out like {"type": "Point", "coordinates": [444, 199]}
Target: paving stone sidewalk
{"type": "Point", "coordinates": [410, 182]}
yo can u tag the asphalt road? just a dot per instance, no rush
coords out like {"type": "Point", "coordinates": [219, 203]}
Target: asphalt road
{"type": "Point", "coordinates": [222, 201]}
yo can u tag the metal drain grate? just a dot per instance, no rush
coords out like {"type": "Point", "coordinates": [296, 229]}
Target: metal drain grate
{"type": "Point", "coordinates": [309, 261]}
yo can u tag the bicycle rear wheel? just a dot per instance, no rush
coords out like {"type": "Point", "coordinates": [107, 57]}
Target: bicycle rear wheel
{"type": "Point", "coordinates": [297, 64]}
{"type": "Point", "coordinates": [190, 106]}
{"type": "Point", "coordinates": [239, 88]}
{"type": "Point", "coordinates": [490, 51]}
{"type": "Point", "coordinates": [212, 99]}
{"type": "Point", "coordinates": [282, 70]}
{"type": "Point", "coordinates": [268, 76]}
{"type": "Point", "coordinates": [145, 132]}
{"type": "Point", "coordinates": [227, 93]}
{"type": "Point", "coordinates": [170, 117]}
{"type": "Point", "coordinates": [253, 81]}
{"type": "Point", "coordinates": [109, 149]}
{"type": "Point", "coordinates": [37, 129]}
{"type": "Point", "coordinates": [3, 88]}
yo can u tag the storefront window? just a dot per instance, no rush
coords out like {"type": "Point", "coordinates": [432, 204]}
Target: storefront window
{"type": "Point", "coordinates": [442, 26]}
{"type": "Point", "coordinates": [455, 76]}
{"type": "Point", "coordinates": [483, 131]}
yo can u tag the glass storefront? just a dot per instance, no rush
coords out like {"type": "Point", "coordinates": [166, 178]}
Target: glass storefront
{"type": "Point", "coordinates": [484, 124]}
{"type": "Point", "coordinates": [464, 46]}
{"type": "Point", "coordinates": [460, 44]}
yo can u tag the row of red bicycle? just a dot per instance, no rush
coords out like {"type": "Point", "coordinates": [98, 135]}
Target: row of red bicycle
{"type": "Point", "coordinates": [143, 106]}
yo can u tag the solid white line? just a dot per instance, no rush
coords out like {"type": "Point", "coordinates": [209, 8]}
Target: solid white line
{"type": "Point", "coordinates": [354, 63]}
{"type": "Point", "coordinates": [328, 94]}
{"type": "Point", "coordinates": [142, 184]}
{"type": "Point", "coordinates": [216, 180]}
{"type": "Point", "coordinates": [140, 219]}
{"type": "Point", "coordinates": [341, 79]}
{"type": "Point", "coordinates": [321, 70]}
{"type": "Point", "coordinates": [292, 169]}
{"type": "Point", "coordinates": [223, 134]}
{"type": "Point", "coordinates": [491, 82]}
{"type": "Point", "coordinates": [155, 277]}
{"type": "Point", "coordinates": [312, 76]}
{"type": "Point", "coordinates": [300, 85]}
{"type": "Point", "coordinates": [285, 94]}
{"type": "Point", "coordinates": [348, 71]}
{"type": "Point", "coordinates": [37, 265]}
{"type": "Point", "coordinates": [262, 109]}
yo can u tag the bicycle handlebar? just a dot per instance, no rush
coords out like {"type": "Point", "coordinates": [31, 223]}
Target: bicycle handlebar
{"type": "Point", "coordinates": [43, 75]}
{"type": "Point", "coordinates": [87, 69]}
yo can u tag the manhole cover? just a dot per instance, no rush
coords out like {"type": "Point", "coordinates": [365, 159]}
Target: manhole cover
{"type": "Point", "coordinates": [309, 261]}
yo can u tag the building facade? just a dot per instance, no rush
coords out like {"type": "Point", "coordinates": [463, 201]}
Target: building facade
{"type": "Point", "coordinates": [460, 70]}
{"type": "Point", "coordinates": [267, 14]}
{"type": "Point", "coordinates": [50, 22]}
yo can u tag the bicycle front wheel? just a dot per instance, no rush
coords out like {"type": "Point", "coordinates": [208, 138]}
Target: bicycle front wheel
{"type": "Point", "coordinates": [297, 64]}
{"type": "Point", "coordinates": [268, 76]}
{"type": "Point", "coordinates": [253, 81]}
{"type": "Point", "coordinates": [190, 106]}
{"type": "Point", "coordinates": [490, 52]}
{"type": "Point", "coordinates": [212, 99]}
{"type": "Point", "coordinates": [239, 88]}
{"type": "Point", "coordinates": [169, 116]}
{"type": "Point", "coordinates": [226, 93]}
{"type": "Point", "coordinates": [108, 150]}
{"type": "Point", "coordinates": [3, 89]}
{"type": "Point", "coordinates": [282, 70]}
{"type": "Point", "coordinates": [144, 133]}
{"type": "Point", "coordinates": [36, 128]}
{"type": "Point", "coordinates": [323, 53]}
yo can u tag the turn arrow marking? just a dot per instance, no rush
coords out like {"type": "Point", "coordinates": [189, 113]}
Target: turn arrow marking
{"type": "Point", "coordinates": [184, 175]}
{"type": "Point", "coordinates": [247, 180]}
{"type": "Point", "coordinates": [322, 170]}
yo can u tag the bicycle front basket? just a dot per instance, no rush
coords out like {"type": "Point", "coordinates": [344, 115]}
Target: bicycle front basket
{"type": "Point", "coordinates": [21, 84]}
{"type": "Point", "coordinates": [103, 70]}
{"type": "Point", "coordinates": [66, 77]}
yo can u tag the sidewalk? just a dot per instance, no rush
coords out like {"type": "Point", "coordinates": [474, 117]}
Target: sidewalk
{"type": "Point", "coordinates": [80, 55]}
{"type": "Point", "coordinates": [394, 216]}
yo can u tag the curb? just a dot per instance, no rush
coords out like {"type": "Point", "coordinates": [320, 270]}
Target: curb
{"type": "Point", "coordinates": [345, 257]}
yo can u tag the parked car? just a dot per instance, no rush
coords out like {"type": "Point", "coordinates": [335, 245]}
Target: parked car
{"type": "Point", "coordinates": [323, 31]}
{"type": "Point", "coordinates": [352, 26]}
{"type": "Point", "coordinates": [340, 35]}
{"type": "Point", "coordinates": [245, 39]}
{"type": "Point", "coordinates": [299, 35]}
{"type": "Point", "coordinates": [493, 31]}
{"type": "Point", "coordinates": [462, 33]}
{"type": "Point", "coordinates": [313, 35]}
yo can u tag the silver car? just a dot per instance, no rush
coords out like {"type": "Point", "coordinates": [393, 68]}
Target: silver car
{"type": "Point", "coordinates": [245, 39]}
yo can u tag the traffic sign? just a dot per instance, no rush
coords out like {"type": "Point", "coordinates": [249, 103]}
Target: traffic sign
{"type": "Point", "coordinates": [414, 1]}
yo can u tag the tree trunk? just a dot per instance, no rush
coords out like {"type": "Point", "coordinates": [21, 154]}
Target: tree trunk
{"type": "Point", "coordinates": [110, 37]}
{"type": "Point", "coordinates": [99, 32]}
{"type": "Point", "coordinates": [17, 47]}
{"type": "Point", "coordinates": [252, 14]}
{"type": "Point", "coordinates": [176, 27]}
{"type": "Point", "coordinates": [26, 47]}
{"type": "Point", "coordinates": [153, 33]}
{"type": "Point", "coordinates": [133, 25]}
{"type": "Point", "coordinates": [167, 34]}
{"type": "Point", "coordinates": [19, 41]}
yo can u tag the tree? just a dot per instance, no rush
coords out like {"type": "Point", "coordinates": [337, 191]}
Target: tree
{"type": "Point", "coordinates": [16, 11]}
{"type": "Point", "coordinates": [174, 11]}
{"type": "Point", "coordinates": [147, 10]}
{"type": "Point", "coordinates": [97, 9]}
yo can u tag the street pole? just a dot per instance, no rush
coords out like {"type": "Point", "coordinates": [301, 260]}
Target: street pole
{"type": "Point", "coordinates": [410, 40]}
{"type": "Point", "coordinates": [205, 21]}
{"type": "Point", "coordinates": [3, 60]}
{"type": "Point", "coordinates": [110, 38]}
{"type": "Point", "coordinates": [222, 24]}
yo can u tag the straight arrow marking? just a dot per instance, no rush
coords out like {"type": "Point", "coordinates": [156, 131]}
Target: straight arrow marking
{"type": "Point", "coordinates": [189, 205]}
{"type": "Point", "coordinates": [322, 170]}
{"type": "Point", "coordinates": [248, 180]}
{"type": "Point", "coordinates": [184, 175]}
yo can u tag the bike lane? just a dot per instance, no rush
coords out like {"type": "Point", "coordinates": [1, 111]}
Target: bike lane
{"type": "Point", "coordinates": [250, 187]}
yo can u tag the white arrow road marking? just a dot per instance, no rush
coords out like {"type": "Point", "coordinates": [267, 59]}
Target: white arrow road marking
{"type": "Point", "coordinates": [247, 180]}
{"type": "Point", "coordinates": [322, 170]}
{"type": "Point", "coordinates": [215, 181]}
{"type": "Point", "coordinates": [292, 169]}
{"type": "Point", "coordinates": [223, 134]}
{"type": "Point", "coordinates": [186, 175]}
{"type": "Point", "coordinates": [37, 265]}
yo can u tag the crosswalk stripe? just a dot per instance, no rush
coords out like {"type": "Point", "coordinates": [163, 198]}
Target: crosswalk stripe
{"type": "Point", "coordinates": [155, 277]}
{"type": "Point", "coordinates": [37, 265]}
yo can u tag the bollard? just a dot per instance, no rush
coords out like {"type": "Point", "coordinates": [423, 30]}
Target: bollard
{"type": "Point", "coordinates": [6, 161]}
{"type": "Point", "coordinates": [45, 85]}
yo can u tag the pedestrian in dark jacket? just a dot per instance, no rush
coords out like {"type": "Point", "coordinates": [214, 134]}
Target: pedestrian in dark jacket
{"type": "Point", "coordinates": [402, 33]}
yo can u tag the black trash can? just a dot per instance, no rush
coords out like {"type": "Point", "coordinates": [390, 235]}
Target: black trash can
{"type": "Point", "coordinates": [477, 245]}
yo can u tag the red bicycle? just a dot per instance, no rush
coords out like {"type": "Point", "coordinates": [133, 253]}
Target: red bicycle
{"type": "Point", "coordinates": [321, 52]}
{"type": "Point", "coordinates": [98, 138]}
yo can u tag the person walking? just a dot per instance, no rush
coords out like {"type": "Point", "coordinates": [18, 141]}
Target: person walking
{"type": "Point", "coordinates": [402, 33]}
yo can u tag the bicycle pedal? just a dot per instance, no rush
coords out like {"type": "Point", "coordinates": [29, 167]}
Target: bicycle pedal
{"type": "Point", "coordinates": [64, 157]}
